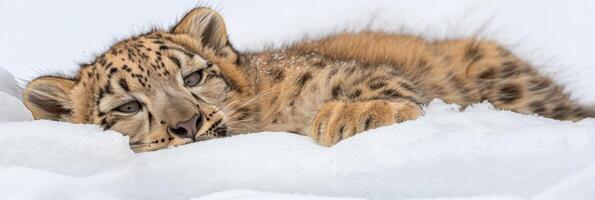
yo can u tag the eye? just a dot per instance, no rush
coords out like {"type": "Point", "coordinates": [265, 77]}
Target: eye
{"type": "Point", "coordinates": [193, 79]}
{"type": "Point", "coordinates": [130, 107]}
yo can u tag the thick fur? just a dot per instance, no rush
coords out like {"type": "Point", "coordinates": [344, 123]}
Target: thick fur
{"type": "Point", "coordinates": [329, 89]}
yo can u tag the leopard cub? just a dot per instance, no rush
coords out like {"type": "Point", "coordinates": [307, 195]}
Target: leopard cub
{"type": "Point", "coordinates": [173, 87]}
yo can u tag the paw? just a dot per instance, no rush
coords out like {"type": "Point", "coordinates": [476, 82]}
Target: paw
{"type": "Point", "coordinates": [337, 120]}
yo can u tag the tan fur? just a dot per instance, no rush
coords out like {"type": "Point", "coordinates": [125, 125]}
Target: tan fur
{"type": "Point", "coordinates": [329, 89]}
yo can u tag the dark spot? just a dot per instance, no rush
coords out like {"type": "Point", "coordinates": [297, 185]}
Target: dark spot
{"type": "Point", "coordinates": [301, 82]}
{"type": "Point", "coordinates": [407, 86]}
{"type": "Point", "coordinates": [337, 91]}
{"type": "Point", "coordinates": [368, 123]}
{"type": "Point", "coordinates": [509, 93]}
{"type": "Point", "coordinates": [487, 74]}
{"type": "Point", "coordinates": [163, 140]}
{"type": "Point", "coordinates": [108, 65]}
{"type": "Point", "coordinates": [277, 75]}
{"type": "Point", "coordinates": [108, 88]}
{"type": "Point", "coordinates": [580, 112]}
{"type": "Point", "coordinates": [221, 131]}
{"type": "Point", "coordinates": [176, 61]}
{"type": "Point", "coordinates": [537, 107]}
{"type": "Point", "coordinates": [124, 85]}
{"type": "Point", "coordinates": [473, 53]}
{"type": "Point", "coordinates": [150, 118]}
{"type": "Point", "coordinates": [126, 68]}
{"type": "Point", "coordinates": [376, 85]}
{"type": "Point", "coordinates": [304, 78]}
{"type": "Point", "coordinates": [356, 94]}
{"type": "Point", "coordinates": [112, 71]}
{"type": "Point", "coordinates": [560, 112]}
{"type": "Point", "coordinates": [101, 61]}
{"type": "Point", "coordinates": [341, 130]}
{"type": "Point", "coordinates": [183, 51]}
{"type": "Point", "coordinates": [107, 125]}
{"type": "Point", "coordinates": [100, 96]}
{"type": "Point", "coordinates": [391, 93]}
{"type": "Point", "coordinates": [332, 73]}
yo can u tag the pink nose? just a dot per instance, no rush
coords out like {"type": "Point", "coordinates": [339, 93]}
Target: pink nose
{"type": "Point", "coordinates": [187, 129]}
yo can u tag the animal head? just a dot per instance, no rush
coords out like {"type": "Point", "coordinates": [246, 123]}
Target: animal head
{"type": "Point", "coordinates": [162, 89]}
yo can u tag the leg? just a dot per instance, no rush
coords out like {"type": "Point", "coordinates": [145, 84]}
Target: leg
{"type": "Point", "coordinates": [338, 120]}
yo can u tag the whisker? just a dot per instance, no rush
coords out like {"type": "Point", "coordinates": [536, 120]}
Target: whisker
{"type": "Point", "coordinates": [237, 100]}
{"type": "Point", "coordinates": [255, 99]}
{"type": "Point", "coordinates": [240, 121]}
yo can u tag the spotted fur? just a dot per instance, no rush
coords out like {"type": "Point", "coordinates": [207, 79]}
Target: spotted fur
{"type": "Point", "coordinates": [167, 88]}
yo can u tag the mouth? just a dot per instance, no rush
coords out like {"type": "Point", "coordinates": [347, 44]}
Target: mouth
{"type": "Point", "coordinates": [158, 144]}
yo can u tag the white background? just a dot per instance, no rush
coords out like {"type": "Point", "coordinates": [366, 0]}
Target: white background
{"type": "Point", "coordinates": [39, 37]}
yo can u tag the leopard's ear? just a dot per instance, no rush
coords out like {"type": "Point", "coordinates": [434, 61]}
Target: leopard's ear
{"type": "Point", "coordinates": [47, 97]}
{"type": "Point", "coordinates": [207, 26]}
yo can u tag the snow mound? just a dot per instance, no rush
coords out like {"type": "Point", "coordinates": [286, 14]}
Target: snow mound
{"type": "Point", "coordinates": [11, 107]}
{"type": "Point", "coordinates": [55, 147]}
{"type": "Point", "coordinates": [480, 153]}
{"type": "Point", "coordinates": [8, 84]}
{"type": "Point", "coordinates": [256, 195]}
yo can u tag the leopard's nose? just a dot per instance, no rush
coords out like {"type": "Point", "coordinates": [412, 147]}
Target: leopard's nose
{"type": "Point", "coordinates": [187, 129]}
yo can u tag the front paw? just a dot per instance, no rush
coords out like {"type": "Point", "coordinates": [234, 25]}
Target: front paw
{"type": "Point", "coordinates": [337, 120]}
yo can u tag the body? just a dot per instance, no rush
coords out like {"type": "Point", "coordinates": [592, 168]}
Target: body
{"type": "Point", "coordinates": [355, 73]}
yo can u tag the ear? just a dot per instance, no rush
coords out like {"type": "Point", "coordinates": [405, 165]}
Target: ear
{"type": "Point", "coordinates": [208, 27]}
{"type": "Point", "coordinates": [48, 97]}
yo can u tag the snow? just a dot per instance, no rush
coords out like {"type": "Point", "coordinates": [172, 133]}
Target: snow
{"type": "Point", "coordinates": [477, 154]}
{"type": "Point", "coordinates": [480, 152]}
{"type": "Point", "coordinates": [11, 106]}
{"type": "Point", "coordinates": [255, 195]}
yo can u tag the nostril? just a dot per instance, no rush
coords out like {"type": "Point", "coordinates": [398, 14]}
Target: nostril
{"type": "Point", "coordinates": [181, 131]}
